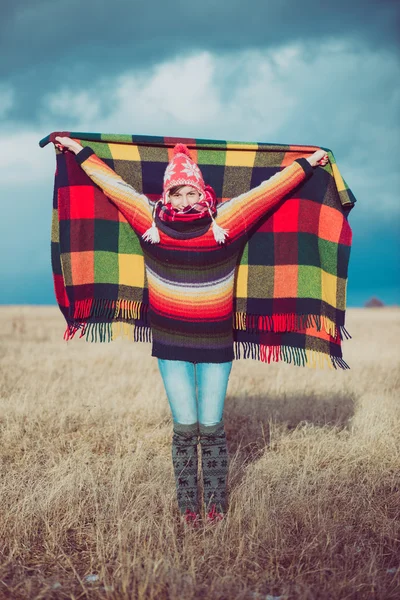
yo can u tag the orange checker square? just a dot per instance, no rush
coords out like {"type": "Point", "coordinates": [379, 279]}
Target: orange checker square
{"type": "Point", "coordinates": [121, 217]}
{"type": "Point", "coordinates": [82, 267]}
{"type": "Point", "coordinates": [294, 153]}
{"type": "Point", "coordinates": [81, 202]}
{"type": "Point", "coordinates": [330, 224]}
{"type": "Point", "coordinates": [321, 334]}
{"type": "Point", "coordinates": [285, 281]}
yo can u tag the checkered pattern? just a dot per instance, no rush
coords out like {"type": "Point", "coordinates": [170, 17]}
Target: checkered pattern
{"type": "Point", "coordinates": [290, 289]}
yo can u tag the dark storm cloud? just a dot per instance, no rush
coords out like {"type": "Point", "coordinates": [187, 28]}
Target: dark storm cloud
{"type": "Point", "coordinates": [48, 42]}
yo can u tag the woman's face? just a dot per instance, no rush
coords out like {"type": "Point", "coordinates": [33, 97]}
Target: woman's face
{"type": "Point", "coordinates": [186, 196]}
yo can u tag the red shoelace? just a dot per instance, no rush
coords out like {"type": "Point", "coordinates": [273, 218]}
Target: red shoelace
{"type": "Point", "coordinates": [191, 518]}
{"type": "Point", "coordinates": [213, 515]}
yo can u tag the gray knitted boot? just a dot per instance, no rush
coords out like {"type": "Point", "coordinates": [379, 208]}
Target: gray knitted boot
{"type": "Point", "coordinates": [185, 462]}
{"type": "Point", "coordinates": [215, 463]}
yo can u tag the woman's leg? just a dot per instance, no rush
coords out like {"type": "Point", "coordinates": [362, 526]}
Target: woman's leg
{"type": "Point", "coordinates": [180, 386]}
{"type": "Point", "coordinates": [212, 382]}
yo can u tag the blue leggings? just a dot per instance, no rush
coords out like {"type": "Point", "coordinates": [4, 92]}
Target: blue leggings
{"type": "Point", "coordinates": [181, 379]}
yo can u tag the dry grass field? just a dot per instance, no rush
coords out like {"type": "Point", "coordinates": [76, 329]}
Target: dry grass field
{"type": "Point", "coordinates": [87, 496]}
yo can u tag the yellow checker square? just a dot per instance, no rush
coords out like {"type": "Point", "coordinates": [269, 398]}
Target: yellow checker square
{"type": "Point", "coordinates": [241, 281]}
{"type": "Point", "coordinates": [131, 270]}
{"type": "Point", "coordinates": [239, 146]}
{"type": "Point", "coordinates": [338, 178]}
{"type": "Point", "coordinates": [329, 287]}
{"type": "Point", "coordinates": [124, 152]}
{"type": "Point", "coordinates": [240, 158]}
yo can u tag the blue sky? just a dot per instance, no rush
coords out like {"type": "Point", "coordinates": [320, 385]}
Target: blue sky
{"type": "Point", "coordinates": [263, 70]}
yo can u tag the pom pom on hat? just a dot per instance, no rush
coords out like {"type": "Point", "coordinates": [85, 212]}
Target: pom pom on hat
{"type": "Point", "coordinates": [182, 149]}
{"type": "Point", "coordinates": [182, 170]}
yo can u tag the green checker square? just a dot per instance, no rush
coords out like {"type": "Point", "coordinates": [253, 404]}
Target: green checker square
{"type": "Point", "coordinates": [328, 252]}
{"type": "Point", "coordinates": [211, 157]}
{"type": "Point", "coordinates": [153, 154]}
{"type": "Point", "coordinates": [101, 149]}
{"type": "Point", "coordinates": [308, 250]}
{"type": "Point", "coordinates": [341, 293]}
{"type": "Point", "coordinates": [207, 142]}
{"type": "Point", "coordinates": [55, 227]}
{"type": "Point", "coordinates": [316, 344]}
{"type": "Point", "coordinates": [269, 159]}
{"type": "Point", "coordinates": [128, 241]}
{"type": "Point", "coordinates": [105, 267]}
{"type": "Point", "coordinates": [118, 138]}
{"type": "Point", "coordinates": [66, 268]}
{"type": "Point", "coordinates": [130, 171]}
{"type": "Point", "coordinates": [106, 235]}
{"type": "Point", "coordinates": [85, 135]}
{"type": "Point", "coordinates": [309, 285]}
{"type": "Point", "coordinates": [240, 304]}
{"type": "Point", "coordinates": [237, 180]}
{"type": "Point", "coordinates": [244, 259]}
{"type": "Point", "coordinates": [260, 281]}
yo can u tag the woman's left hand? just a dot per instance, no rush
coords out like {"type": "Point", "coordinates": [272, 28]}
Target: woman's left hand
{"type": "Point", "coordinates": [320, 157]}
{"type": "Point", "coordinates": [65, 143]}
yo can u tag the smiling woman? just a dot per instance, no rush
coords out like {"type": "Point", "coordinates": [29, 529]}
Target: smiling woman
{"type": "Point", "coordinates": [190, 273]}
{"type": "Point", "coordinates": [182, 196]}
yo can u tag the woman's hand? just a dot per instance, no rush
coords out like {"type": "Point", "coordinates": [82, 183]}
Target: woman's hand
{"type": "Point", "coordinates": [65, 143]}
{"type": "Point", "coordinates": [320, 157]}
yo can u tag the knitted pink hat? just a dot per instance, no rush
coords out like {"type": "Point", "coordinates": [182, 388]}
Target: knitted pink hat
{"type": "Point", "coordinates": [182, 170]}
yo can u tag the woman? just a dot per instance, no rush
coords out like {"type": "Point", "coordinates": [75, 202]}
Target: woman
{"type": "Point", "coordinates": [191, 249]}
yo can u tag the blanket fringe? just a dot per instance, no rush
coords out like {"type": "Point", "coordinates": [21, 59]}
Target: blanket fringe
{"type": "Point", "coordinates": [109, 309]}
{"type": "Point", "coordinates": [297, 356]}
{"type": "Point", "coordinates": [108, 332]}
{"type": "Point", "coordinates": [288, 322]}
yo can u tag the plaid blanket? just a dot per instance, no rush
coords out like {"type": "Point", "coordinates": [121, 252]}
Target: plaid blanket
{"type": "Point", "coordinates": [290, 290]}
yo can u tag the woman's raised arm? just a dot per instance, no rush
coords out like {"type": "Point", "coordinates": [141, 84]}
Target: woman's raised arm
{"type": "Point", "coordinates": [247, 208]}
{"type": "Point", "coordinates": [134, 206]}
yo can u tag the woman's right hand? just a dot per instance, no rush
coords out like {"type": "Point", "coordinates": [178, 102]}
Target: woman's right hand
{"type": "Point", "coordinates": [320, 157]}
{"type": "Point", "coordinates": [65, 143]}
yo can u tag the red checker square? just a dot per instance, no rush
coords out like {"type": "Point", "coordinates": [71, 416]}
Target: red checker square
{"type": "Point", "coordinates": [330, 224]}
{"type": "Point", "coordinates": [286, 248]}
{"type": "Point", "coordinates": [287, 216]}
{"type": "Point", "coordinates": [187, 141]}
{"type": "Point", "coordinates": [309, 214]}
{"type": "Point", "coordinates": [81, 234]}
{"type": "Point", "coordinates": [104, 208]}
{"type": "Point", "coordinates": [346, 235]}
{"type": "Point", "coordinates": [266, 224]}
{"type": "Point", "coordinates": [59, 289]}
{"type": "Point", "coordinates": [81, 202]}
{"type": "Point", "coordinates": [63, 203]}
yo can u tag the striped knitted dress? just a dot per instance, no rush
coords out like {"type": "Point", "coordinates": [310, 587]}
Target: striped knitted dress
{"type": "Point", "coordinates": [190, 276]}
